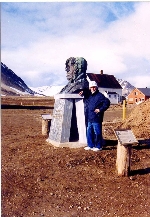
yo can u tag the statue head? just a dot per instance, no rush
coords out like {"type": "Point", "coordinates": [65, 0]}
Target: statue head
{"type": "Point", "coordinates": [76, 75]}
{"type": "Point", "coordinates": [76, 68]}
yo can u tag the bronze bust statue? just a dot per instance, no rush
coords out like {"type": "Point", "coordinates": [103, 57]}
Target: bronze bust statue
{"type": "Point", "coordinates": [76, 75]}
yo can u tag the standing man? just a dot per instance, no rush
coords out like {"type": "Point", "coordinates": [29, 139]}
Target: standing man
{"type": "Point", "coordinates": [95, 106]}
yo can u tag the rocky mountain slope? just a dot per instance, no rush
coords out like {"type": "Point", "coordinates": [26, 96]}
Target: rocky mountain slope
{"type": "Point", "coordinates": [11, 84]}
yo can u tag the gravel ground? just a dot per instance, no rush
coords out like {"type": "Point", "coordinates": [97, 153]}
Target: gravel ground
{"type": "Point", "coordinates": [41, 180]}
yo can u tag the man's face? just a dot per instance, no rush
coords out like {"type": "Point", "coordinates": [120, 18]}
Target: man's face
{"type": "Point", "coordinates": [93, 89]}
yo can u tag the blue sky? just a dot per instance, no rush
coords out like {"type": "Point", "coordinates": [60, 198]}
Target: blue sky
{"type": "Point", "coordinates": [37, 38]}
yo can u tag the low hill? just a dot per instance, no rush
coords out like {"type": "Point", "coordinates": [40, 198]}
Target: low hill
{"type": "Point", "coordinates": [139, 120]}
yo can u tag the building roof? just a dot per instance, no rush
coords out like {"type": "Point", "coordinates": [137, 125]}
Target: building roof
{"type": "Point", "coordinates": [105, 81]}
{"type": "Point", "coordinates": [145, 91]}
{"type": "Point", "coordinates": [109, 92]}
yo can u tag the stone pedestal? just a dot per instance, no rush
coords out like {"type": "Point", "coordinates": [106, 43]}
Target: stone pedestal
{"type": "Point", "coordinates": [68, 123]}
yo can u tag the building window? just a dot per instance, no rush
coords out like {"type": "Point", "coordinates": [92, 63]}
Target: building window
{"type": "Point", "coordinates": [109, 96]}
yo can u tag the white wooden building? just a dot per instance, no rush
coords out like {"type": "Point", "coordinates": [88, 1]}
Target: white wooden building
{"type": "Point", "coordinates": [107, 85]}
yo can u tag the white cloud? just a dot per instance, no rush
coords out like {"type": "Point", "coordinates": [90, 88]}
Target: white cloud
{"type": "Point", "coordinates": [36, 49]}
{"type": "Point", "coordinates": [141, 81]}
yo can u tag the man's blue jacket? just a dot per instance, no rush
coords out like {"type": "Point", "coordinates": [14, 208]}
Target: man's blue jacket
{"type": "Point", "coordinates": [95, 101]}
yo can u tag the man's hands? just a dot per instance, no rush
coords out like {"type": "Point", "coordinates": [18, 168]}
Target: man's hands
{"type": "Point", "coordinates": [81, 93]}
{"type": "Point", "coordinates": [97, 111]}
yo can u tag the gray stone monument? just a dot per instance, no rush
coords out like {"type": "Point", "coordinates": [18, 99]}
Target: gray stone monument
{"type": "Point", "coordinates": [68, 124]}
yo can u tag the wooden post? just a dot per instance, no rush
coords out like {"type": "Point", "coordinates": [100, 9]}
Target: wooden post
{"type": "Point", "coordinates": [46, 122]}
{"type": "Point", "coordinates": [123, 159]}
{"type": "Point", "coordinates": [125, 141]}
{"type": "Point", "coordinates": [45, 127]}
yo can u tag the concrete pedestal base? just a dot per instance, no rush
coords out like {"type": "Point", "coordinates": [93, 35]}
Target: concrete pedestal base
{"type": "Point", "coordinates": [66, 144]}
{"type": "Point", "coordinates": [68, 123]}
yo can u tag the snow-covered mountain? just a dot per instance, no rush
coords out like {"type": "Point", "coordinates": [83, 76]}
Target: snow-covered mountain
{"type": "Point", "coordinates": [126, 87]}
{"type": "Point", "coordinates": [53, 90]}
{"type": "Point", "coordinates": [11, 84]}
{"type": "Point", "coordinates": [47, 90]}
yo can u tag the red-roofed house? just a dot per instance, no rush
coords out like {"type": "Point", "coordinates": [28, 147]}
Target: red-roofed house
{"type": "Point", "coordinates": [108, 85]}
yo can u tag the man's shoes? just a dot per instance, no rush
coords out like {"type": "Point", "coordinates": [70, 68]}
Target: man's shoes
{"type": "Point", "coordinates": [97, 149]}
{"type": "Point", "coordinates": [87, 148]}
